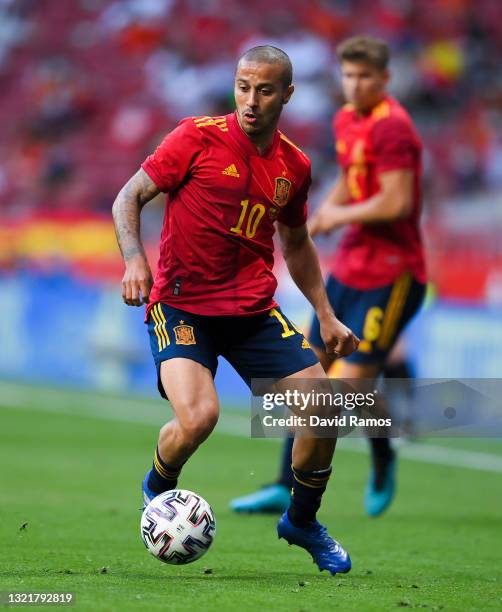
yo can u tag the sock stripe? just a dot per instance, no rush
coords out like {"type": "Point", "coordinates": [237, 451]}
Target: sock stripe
{"type": "Point", "coordinates": [160, 469]}
{"type": "Point", "coordinates": [312, 485]}
{"type": "Point", "coordinates": [168, 474]}
{"type": "Point", "coordinates": [313, 480]}
{"type": "Point", "coordinates": [163, 470]}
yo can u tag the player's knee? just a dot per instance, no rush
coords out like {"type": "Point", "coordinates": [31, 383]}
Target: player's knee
{"type": "Point", "coordinates": [195, 431]}
{"type": "Point", "coordinates": [199, 422]}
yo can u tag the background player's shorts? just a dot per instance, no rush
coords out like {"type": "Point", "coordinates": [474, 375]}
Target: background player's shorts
{"type": "Point", "coordinates": [266, 345]}
{"type": "Point", "coordinates": [376, 316]}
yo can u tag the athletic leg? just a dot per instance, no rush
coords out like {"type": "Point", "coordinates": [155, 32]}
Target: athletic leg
{"type": "Point", "coordinates": [275, 497]}
{"type": "Point", "coordinates": [311, 468]}
{"type": "Point", "coordinates": [190, 388]}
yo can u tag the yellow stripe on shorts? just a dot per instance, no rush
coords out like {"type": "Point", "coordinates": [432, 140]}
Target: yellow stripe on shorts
{"type": "Point", "coordinates": [163, 327]}
{"type": "Point", "coordinates": [160, 339]}
{"type": "Point", "coordinates": [160, 327]}
{"type": "Point", "coordinates": [394, 310]}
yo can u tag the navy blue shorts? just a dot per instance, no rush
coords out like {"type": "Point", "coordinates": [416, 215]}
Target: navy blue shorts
{"type": "Point", "coordinates": [266, 345]}
{"type": "Point", "coordinates": [376, 316]}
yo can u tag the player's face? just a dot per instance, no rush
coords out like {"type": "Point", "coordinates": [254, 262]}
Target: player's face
{"type": "Point", "coordinates": [259, 97]}
{"type": "Point", "coordinates": [363, 85]}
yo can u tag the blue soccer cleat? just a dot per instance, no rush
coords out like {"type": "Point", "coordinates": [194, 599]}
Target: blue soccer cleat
{"type": "Point", "coordinates": [315, 539]}
{"type": "Point", "coordinates": [378, 498]}
{"type": "Point", "coordinates": [148, 495]}
{"type": "Point", "coordinates": [274, 498]}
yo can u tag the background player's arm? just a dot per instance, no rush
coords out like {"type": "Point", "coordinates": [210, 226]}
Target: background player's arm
{"type": "Point", "coordinates": [338, 195]}
{"type": "Point", "coordinates": [303, 264]}
{"type": "Point", "coordinates": [137, 280]}
{"type": "Point", "coordinates": [394, 201]}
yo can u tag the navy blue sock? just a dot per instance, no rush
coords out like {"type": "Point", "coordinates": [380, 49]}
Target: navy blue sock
{"type": "Point", "coordinates": [381, 450]}
{"type": "Point", "coordinates": [307, 493]}
{"type": "Point", "coordinates": [162, 477]}
{"type": "Point", "coordinates": [286, 477]}
{"type": "Point", "coordinates": [381, 454]}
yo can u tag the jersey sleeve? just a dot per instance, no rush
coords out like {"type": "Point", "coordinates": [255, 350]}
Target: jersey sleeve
{"type": "Point", "coordinates": [394, 145]}
{"type": "Point", "coordinates": [175, 157]}
{"type": "Point", "coordinates": [294, 213]}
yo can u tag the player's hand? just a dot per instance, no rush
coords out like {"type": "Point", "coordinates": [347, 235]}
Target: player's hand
{"type": "Point", "coordinates": [326, 219]}
{"type": "Point", "coordinates": [339, 340]}
{"type": "Point", "coordinates": [313, 225]}
{"type": "Point", "coordinates": [137, 281]}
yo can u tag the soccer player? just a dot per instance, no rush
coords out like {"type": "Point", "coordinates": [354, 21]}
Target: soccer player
{"type": "Point", "coordinates": [230, 181]}
{"type": "Point", "coordinates": [376, 284]}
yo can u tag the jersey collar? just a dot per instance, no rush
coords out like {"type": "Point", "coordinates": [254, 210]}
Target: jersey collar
{"type": "Point", "coordinates": [245, 142]}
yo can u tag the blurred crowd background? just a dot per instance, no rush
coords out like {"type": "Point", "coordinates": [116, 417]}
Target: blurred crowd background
{"type": "Point", "coordinates": [89, 87]}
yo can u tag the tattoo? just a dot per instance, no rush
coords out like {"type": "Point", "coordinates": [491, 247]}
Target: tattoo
{"type": "Point", "coordinates": [126, 210]}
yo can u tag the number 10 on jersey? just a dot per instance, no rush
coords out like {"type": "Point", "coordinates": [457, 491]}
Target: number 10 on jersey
{"type": "Point", "coordinates": [248, 221]}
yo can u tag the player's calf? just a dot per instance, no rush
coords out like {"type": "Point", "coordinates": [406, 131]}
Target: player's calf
{"type": "Point", "coordinates": [178, 440]}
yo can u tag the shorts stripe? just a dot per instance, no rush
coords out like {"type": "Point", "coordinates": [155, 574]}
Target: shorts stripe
{"type": "Point", "coordinates": [160, 327]}
{"type": "Point", "coordinates": [163, 327]}
{"type": "Point", "coordinates": [394, 310]}
{"type": "Point", "coordinates": [160, 340]}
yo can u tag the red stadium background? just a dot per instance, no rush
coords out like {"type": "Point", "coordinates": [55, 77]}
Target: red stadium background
{"type": "Point", "coordinates": [89, 88]}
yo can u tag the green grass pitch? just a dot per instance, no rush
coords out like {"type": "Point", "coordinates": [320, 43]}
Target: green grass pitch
{"type": "Point", "coordinates": [70, 514]}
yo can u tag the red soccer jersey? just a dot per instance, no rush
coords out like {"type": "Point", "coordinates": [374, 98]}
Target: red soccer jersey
{"type": "Point", "coordinates": [374, 255]}
{"type": "Point", "coordinates": [216, 248]}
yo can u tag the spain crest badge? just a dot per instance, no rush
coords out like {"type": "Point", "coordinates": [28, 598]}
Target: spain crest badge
{"type": "Point", "coordinates": [282, 188]}
{"type": "Point", "coordinates": [184, 334]}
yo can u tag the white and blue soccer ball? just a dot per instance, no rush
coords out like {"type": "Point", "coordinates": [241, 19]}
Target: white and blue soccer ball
{"type": "Point", "coordinates": [178, 527]}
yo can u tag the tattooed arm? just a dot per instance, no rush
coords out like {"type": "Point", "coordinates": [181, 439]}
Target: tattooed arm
{"type": "Point", "coordinates": [137, 280]}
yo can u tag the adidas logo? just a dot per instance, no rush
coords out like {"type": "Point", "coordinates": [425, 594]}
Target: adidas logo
{"type": "Point", "coordinates": [231, 171]}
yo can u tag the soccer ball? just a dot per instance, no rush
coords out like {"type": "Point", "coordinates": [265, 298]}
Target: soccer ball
{"type": "Point", "coordinates": [178, 527]}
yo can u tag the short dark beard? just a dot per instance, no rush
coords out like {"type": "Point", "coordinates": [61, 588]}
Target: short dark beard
{"type": "Point", "coordinates": [255, 136]}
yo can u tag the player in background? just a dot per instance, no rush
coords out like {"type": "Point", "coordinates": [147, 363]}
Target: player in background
{"type": "Point", "coordinates": [231, 181]}
{"type": "Point", "coordinates": [377, 278]}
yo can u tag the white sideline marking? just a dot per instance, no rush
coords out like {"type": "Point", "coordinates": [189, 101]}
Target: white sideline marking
{"type": "Point", "coordinates": [438, 455]}
{"type": "Point", "coordinates": [148, 411]}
